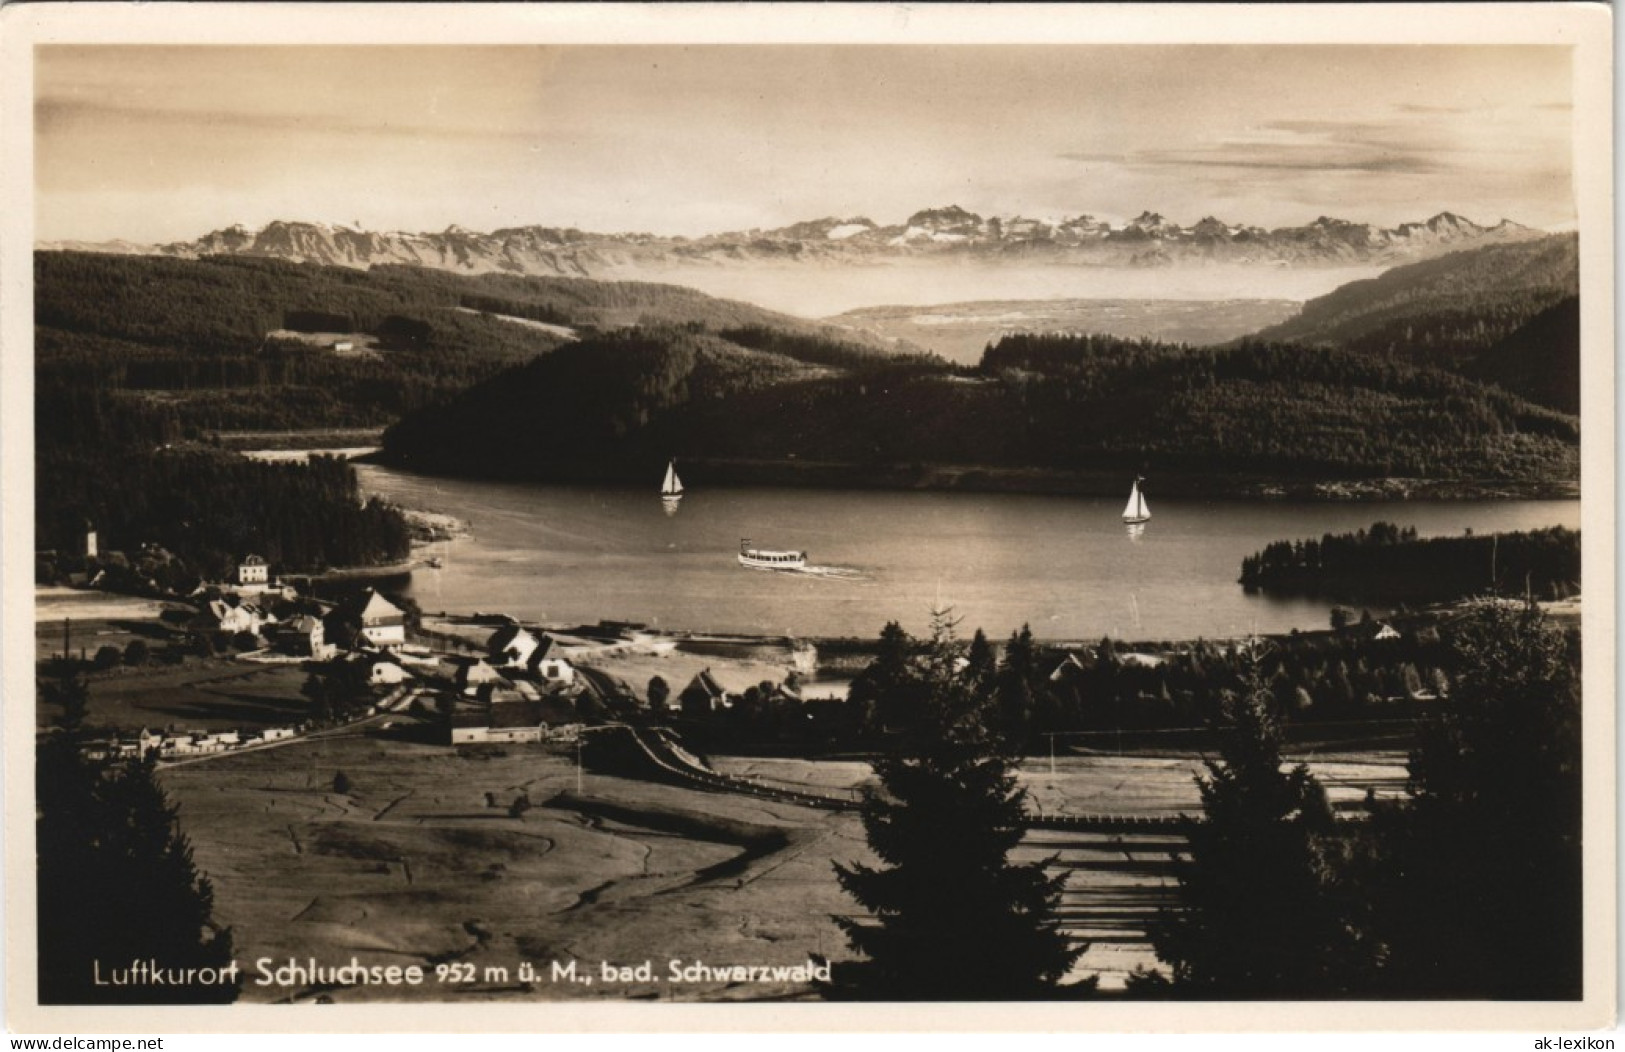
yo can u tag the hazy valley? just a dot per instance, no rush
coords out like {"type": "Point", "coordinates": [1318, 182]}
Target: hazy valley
{"type": "Point", "coordinates": [961, 331]}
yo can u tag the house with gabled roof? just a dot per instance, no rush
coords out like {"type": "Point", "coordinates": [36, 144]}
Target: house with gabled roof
{"type": "Point", "coordinates": [1071, 666]}
{"type": "Point", "coordinates": [379, 621]}
{"type": "Point", "coordinates": [703, 695]}
{"type": "Point", "coordinates": [472, 675]}
{"type": "Point", "coordinates": [511, 646]}
{"type": "Point", "coordinates": [376, 668]}
{"type": "Point", "coordinates": [228, 613]}
{"type": "Point", "coordinates": [304, 636]}
{"type": "Point", "coordinates": [548, 665]}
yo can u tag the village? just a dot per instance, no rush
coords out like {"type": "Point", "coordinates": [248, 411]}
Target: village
{"type": "Point", "coordinates": [368, 661]}
{"type": "Point", "coordinates": [296, 663]}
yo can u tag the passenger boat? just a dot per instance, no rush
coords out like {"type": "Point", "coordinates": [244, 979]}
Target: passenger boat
{"type": "Point", "coordinates": [671, 489]}
{"type": "Point", "coordinates": [766, 559]}
{"type": "Point", "coordinates": [1136, 513]}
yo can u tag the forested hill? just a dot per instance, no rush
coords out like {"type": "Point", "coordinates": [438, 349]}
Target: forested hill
{"type": "Point", "coordinates": [1540, 359]}
{"type": "Point", "coordinates": [243, 343]}
{"type": "Point", "coordinates": [1045, 403]}
{"type": "Point", "coordinates": [1442, 308]}
{"type": "Point", "coordinates": [140, 361]}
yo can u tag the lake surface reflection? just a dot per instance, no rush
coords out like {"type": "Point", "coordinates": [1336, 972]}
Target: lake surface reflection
{"type": "Point", "coordinates": [1065, 565]}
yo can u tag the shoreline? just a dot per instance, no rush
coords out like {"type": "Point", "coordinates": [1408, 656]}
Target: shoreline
{"type": "Point", "coordinates": [1041, 481]}
{"type": "Point", "coordinates": [860, 648]}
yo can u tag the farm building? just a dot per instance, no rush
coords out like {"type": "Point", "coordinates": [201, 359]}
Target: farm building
{"type": "Point", "coordinates": [520, 720]}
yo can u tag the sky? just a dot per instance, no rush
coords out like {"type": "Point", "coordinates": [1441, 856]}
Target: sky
{"type": "Point", "coordinates": [155, 144]}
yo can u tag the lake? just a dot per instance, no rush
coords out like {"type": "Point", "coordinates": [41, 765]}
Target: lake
{"type": "Point", "coordinates": [1067, 566]}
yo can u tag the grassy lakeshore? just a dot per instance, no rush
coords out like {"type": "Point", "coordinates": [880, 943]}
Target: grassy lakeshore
{"type": "Point", "coordinates": [416, 865]}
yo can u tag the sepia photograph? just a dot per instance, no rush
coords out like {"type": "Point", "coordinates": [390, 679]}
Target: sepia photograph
{"type": "Point", "coordinates": [584, 509]}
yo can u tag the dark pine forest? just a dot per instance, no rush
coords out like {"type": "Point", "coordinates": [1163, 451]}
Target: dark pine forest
{"type": "Point", "coordinates": [622, 401]}
{"type": "Point", "coordinates": [1395, 564]}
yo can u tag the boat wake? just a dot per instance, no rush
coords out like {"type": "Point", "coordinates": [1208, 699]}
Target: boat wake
{"type": "Point", "coordinates": [831, 573]}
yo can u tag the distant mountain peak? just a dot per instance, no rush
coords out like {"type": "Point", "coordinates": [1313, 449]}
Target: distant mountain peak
{"type": "Point", "coordinates": [948, 231]}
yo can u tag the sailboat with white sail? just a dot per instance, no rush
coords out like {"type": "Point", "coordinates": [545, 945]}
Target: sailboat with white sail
{"type": "Point", "coordinates": [671, 489]}
{"type": "Point", "coordinates": [1137, 513]}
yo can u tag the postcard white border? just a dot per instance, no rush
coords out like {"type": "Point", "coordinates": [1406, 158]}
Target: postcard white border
{"type": "Point", "coordinates": [1587, 28]}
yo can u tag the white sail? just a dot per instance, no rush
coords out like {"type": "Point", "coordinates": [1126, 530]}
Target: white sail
{"type": "Point", "coordinates": [1136, 509]}
{"type": "Point", "coordinates": [673, 486]}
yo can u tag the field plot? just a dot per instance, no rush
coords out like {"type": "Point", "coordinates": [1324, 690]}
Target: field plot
{"type": "Point", "coordinates": [423, 862]}
{"type": "Point", "coordinates": [1145, 786]}
{"type": "Point", "coordinates": [52, 604]}
{"type": "Point", "coordinates": [204, 694]}
{"type": "Point", "coordinates": [426, 860]}
{"type": "Point", "coordinates": [342, 344]}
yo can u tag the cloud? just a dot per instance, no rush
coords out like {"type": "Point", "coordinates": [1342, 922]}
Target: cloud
{"type": "Point", "coordinates": [1401, 146]}
{"type": "Point", "coordinates": [1296, 157]}
{"type": "Point", "coordinates": [1417, 107]}
{"type": "Point", "coordinates": [67, 115]}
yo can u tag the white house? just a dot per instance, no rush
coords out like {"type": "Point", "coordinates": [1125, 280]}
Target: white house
{"type": "Point", "coordinates": [382, 623]}
{"type": "Point", "coordinates": [512, 646]}
{"type": "Point", "coordinates": [546, 664]}
{"type": "Point", "coordinates": [253, 570]}
{"type": "Point", "coordinates": [473, 675]}
{"type": "Point", "coordinates": [228, 614]}
{"type": "Point", "coordinates": [384, 671]}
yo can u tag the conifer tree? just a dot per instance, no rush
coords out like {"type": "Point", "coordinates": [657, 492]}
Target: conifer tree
{"type": "Point", "coordinates": [885, 693]}
{"type": "Point", "coordinates": [1016, 675]}
{"type": "Point", "coordinates": [950, 916]}
{"type": "Point", "coordinates": [116, 879]}
{"type": "Point", "coordinates": [1263, 907]}
{"type": "Point", "coordinates": [983, 662]}
{"type": "Point", "coordinates": [1478, 885]}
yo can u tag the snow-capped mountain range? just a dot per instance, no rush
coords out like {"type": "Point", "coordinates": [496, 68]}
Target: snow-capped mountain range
{"type": "Point", "coordinates": [949, 233]}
